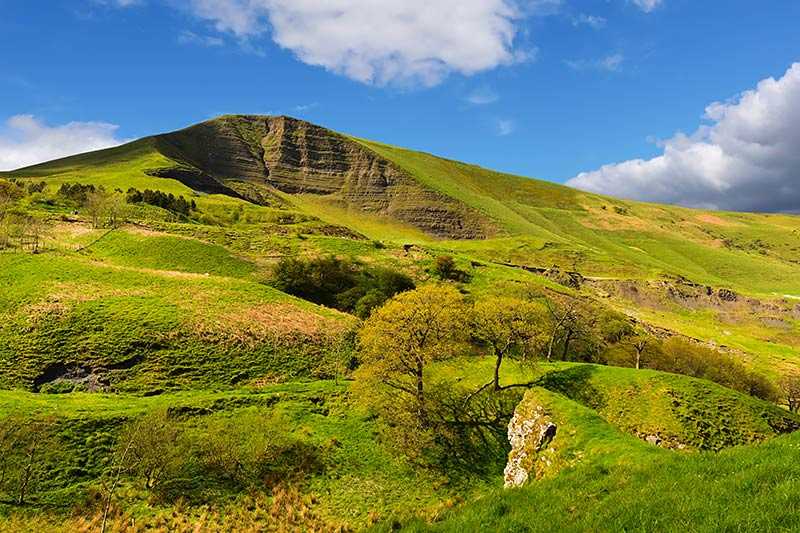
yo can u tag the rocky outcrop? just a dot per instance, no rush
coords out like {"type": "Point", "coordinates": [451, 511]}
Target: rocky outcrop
{"type": "Point", "coordinates": [296, 157]}
{"type": "Point", "coordinates": [531, 432]}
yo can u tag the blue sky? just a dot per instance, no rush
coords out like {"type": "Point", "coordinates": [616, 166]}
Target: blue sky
{"type": "Point", "coordinates": [542, 88]}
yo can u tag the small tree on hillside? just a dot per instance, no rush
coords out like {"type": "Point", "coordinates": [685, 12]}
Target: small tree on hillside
{"type": "Point", "coordinates": [790, 386]}
{"type": "Point", "coordinates": [25, 449]}
{"type": "Point", "coordinates": [96, 206]}
{"type": "Point", "coordinates": [642, 344]}
{"type": "Point", "coordinates": [507, 326]}
{"type": "Point", "coordinates": [148, 448]}
{"type": "Point", "coordinates": [403, 337]}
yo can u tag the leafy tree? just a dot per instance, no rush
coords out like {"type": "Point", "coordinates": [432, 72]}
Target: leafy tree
{"type": "Point", "coordinates": [399, 340]}
{"type": "Point", "coordinates": [168, 201]}
{"type": "Point", "coordinates": [790, 386]}
{"type": "Point", "coordinates": [682, 356]}
{"type": "Point", "coordinates": [252, 451]}
{"type": "Point", "coordinates": [339, 283]}
{"type": "Point", "coordinates": [508, 326]}
{"type": "Point", "coordinates": [445, 268]}
{"type": "Point", "coordinates": [76, 192]}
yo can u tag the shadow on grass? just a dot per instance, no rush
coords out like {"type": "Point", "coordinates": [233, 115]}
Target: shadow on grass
{"type": "Point", "coordinates": [575, 384]}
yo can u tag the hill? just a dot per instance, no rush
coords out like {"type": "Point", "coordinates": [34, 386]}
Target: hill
{"type": "Point", "coordinates": [198, 296]}
{"type": "Point", "coordinates": [288, 176]}
{"type": "Point", "coordinates": [385, 192]}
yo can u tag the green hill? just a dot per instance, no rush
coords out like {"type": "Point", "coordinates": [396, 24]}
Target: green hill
{"type": "Point", "coordinates": [207, 324]}
{"type": "Point", "coordinates": [395, 194]}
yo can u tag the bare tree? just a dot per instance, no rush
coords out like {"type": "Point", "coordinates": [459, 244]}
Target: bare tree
{"type": "Point", "coordinates": [25, 447]}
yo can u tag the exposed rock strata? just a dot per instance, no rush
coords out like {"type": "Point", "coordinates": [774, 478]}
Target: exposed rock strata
{"type": "Point", "coordinates": [296, 157]}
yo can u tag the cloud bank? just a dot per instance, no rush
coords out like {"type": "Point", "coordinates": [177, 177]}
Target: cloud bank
{"type": "Point", "coordinates": [746, 159]}
{"type": "Point", "coordinates": [382, 43]}
{"type": "Point", "coordinates": [25, 140]}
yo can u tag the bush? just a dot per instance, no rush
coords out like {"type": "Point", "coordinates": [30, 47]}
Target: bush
{"type": "Point", "coordinates": [681, 356]}
{"type": "Point", "coordinates": [444, 268]}
{"type": "Point", "coordinates": [168, 201]}
{"type": "Point", "coordinates": [339, 283]}
{"type": "Point", "coordinates": [76, 192]}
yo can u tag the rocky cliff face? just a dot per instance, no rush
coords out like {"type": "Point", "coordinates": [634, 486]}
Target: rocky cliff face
{"type": "Point", "coordinates": [297, 157]}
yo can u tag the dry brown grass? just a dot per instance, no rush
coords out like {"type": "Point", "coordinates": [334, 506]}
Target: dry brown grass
{"type": "Point", "coordinates": [286, 510]}
{"type": "Point", "coordinates": [270, 322]}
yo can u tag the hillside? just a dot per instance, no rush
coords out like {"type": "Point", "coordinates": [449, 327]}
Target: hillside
{"type": "Point", "coordinates": [341, 186]}
{"type": "Point", "coordinates": [201, 297]}
{"type": "Point", "coordinates": [388, 193]}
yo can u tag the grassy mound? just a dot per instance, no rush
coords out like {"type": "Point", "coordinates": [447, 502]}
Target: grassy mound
{"type": "Point", "coordinates": [677, 411]}
{"type": "Point", "coordinates": [68, 323]}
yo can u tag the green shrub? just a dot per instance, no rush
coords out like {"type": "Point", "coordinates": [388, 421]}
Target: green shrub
{"type": "Point", "coordinates": [339, 283]}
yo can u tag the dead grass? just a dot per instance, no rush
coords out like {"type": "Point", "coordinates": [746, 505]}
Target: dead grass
{"type": "Point", "coordinates": [270, 322]}
{"type": "Point", "coordinates": [286, 510]}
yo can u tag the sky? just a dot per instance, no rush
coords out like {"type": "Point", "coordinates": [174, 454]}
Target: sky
{"type": "Point", "coordinates": [681, 101]}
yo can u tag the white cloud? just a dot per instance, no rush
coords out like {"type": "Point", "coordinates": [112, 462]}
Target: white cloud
{"type": "Point", "coordinates": [592, 21]}
{"type": "Point", "coordinates": [610, 63]}
{"type": "Point", "coordinates": [747, 158]}
{"type": "Point", "coordinates": [25, 140]}
{"type": "Point", "coordinates": [648, 5]}
{"type": "Point", "coordinates": [384, 42]}
{"type": "Point", "coordinates": [192, 38]}
{"type": "Point", "coordinates": [505, 127]}
{"type": "Point", "coordinates": [482, 96]}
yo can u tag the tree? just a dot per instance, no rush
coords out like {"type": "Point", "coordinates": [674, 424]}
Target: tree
{"type": "Point", "coordinates": [444, 267]}
{"type": "Point", "coordinates": [403, 337]}
{"type": "Point", "coordinates": [559, 316]}
{"type": "Point", "coordinates": [640, 343]}
{"type": "Point", "coordinates": [96, 205]}
{"type": "Point", "coordinates": [25, 447]}
{"type": "Point", "coordinates": [149, 447]}
{"type": "Point", "coordinates": [790, 386]}
{"type": "Point", "coordinates": [507, 326]}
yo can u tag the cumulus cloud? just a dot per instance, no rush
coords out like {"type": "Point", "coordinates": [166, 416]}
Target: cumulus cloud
{"type": "Point", "coordinates": [380, 43]}
{"type": "Point", "coordinates": [648, 5]}
{"type": "Point", "coordinates": [746, 158]}
{"type": "Point", "coordinates": [25, 140]}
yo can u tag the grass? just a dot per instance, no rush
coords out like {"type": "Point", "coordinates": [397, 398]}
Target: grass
{"type": "Point", "coordinates": [156, 329]}
{"type": "Point", "coordinates": [747, 489]}
{"type": "Point", "coordinates": [362, 478]}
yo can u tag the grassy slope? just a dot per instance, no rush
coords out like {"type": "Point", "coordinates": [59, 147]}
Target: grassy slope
{"type": "Point", "coordinates": [549, 223]}
{"type": "Point", "coordinates": [544, 223]}
{"type": "Point", "coordinates": [632, 488]}
{"type": "Point", "coordinates": [183, 329]}
{"type": "Point", "coordinates": [362, 477]}
{"type": "Point", "coordinates": [683, 412]}
{"type": "Point", "coordinates": [98, 305]}
{"type": "Point", "coordinates": [607, 237]}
